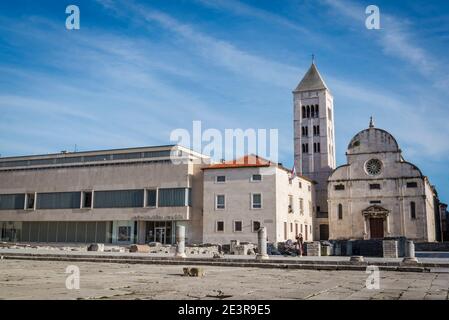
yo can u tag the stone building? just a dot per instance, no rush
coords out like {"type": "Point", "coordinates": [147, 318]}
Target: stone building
{"type": "Point", "coordinates": [242, 195]}
{"type": "Point", "coordinates": [378, 194]}
{"type": "Point", "coordinates": [314, 141]}
{"type": "Point", "coordinates": [122, 196]}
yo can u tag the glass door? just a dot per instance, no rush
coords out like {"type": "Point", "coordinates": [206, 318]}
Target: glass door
{"type": "Point", "coordinates": [159, 234]}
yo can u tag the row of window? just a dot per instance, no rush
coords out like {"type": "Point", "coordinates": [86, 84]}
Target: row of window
{"type": "Point", "coordinates": [162, 197]}
{"type": "Point", "coordinates": [256, 201]}
{"type": "Point", "coordinates": [375, 186]}
{"type": "Point", "coordinates": [412, 208]}
{"type": "Point", "coordinates": [316, 147]}
{"type": "Point", "coordinates": [78, 159]}
{"type": "Point", "coordinates": [305, 131]}
{"type": "Point", "coordinates": [254, 178]}
{"type": "Point", "coordinates": [310, 111]}
{"type": "Point", "coordinates": [305, 230]}
{"type": "Point", "coordinates": [237, 226]}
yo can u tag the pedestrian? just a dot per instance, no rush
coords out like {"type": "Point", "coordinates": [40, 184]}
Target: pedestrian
{"type": "Point", "coordinates": [299, 244]}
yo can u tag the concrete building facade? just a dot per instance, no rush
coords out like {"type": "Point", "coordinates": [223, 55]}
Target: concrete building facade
{"type": "Point", "coordinates": [243, 195]}
{"type": "Point", "coordinates": [314, 140]}
{"type": "Point", "coordinates": [120, 196]}
{"type": "Point", "coordinates": [378, 194]}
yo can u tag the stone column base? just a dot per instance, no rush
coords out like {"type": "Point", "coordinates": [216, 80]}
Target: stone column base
{"type": "Point", "coordinates": [262, 257]}
{"type": "Point", "coordinates": [409, 260]}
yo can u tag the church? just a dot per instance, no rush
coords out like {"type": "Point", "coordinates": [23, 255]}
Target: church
{"type": "Point", "coordinates": [377, 193]}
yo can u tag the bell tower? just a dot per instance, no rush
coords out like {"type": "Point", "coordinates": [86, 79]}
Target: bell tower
{"type": "Point", "coordinates": [314, 141]}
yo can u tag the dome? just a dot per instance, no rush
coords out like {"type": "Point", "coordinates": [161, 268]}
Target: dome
{"type": "Point", "coordinates": [372, 140]}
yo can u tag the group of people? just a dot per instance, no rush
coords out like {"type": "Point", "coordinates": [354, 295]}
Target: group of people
{"type": "Point", "coordinates": [299, 244]}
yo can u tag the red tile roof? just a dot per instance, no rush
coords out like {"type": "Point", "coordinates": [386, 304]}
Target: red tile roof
{"type": "Point", "coordinates": [246, 161]}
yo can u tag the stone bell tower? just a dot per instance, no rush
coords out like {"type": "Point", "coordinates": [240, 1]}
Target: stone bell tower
{"type": "Point", "coordinates": [314, 141]}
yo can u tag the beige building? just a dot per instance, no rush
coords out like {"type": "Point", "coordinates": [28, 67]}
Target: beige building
{"type": "Point", "coordinates": [243, 195]}
{"type": "Point", "coordinates": [378, 194]}
{"type": "Point", "coordinates": [314, 140]}
{"type": "Point", "coordinates": [115, 196]}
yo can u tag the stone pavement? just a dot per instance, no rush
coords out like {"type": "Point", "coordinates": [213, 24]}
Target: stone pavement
{"type": "Point", "coordinates": [24, 279]}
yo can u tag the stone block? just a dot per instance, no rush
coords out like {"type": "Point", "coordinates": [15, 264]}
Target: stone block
{"type": "Point", "coordinates": [390, 248]}
{"type": "Point", "coordinates": [313, 248]}
{"type": "Point", "coordinates": [193, 271]}
{"type": "Point", "coordinates": [141, 248]}
{"type": "Point", "coordinates": [96, 247]}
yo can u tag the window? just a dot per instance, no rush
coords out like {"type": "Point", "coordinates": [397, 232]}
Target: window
{"type": "Point", "coordinates": [285, 230]}
{"type": "Point", "coordinates": [87, 199]}
{"type": "Point", "coordinates": [172, 197]}
{"type": "Point", "coordinates": [312, 111]}
{"type": "Point", "coordinates": [291, 227]}
{"type": "Point", "coordinates": [256, 201]}
{"type": "Point", "coordinates": [310, 208]}
{"type": "Point", "coordinates": [412, 184]}
{"type": "Point", "coordinates": [339, 187]}
{"type": "Point", "coordinates": [300, 185]}
{"type": "Point", "coordinates": [256, 177]}
{"type": "Point", "coordinates": [301, 228]}
{"type": "Point", "coordinates": [219, 227]}
{"type": "Point", "coordinates": [305, 131]}
{"type": "Point", "coordinates": [374, 186]}
{"type": "Point", "coordinates": [29, 201]}
{"type": "Point", "coordinates": [290, 204]}
{"type": "Point", "coordinates": [314, 148]}
{"type": "Point", "coordinates": [220, 179]}
{"type": "Point", "coordinates": [308, 111]}
{"type": "Point", "coordinates": [318, 147]}
{"type": "Point", "coordinates": [340, 211]}
{"type": "Point", "coordinates": [296, 229]}
{"type": "Point", "coordinates": [317, 111]}
{"type": "Point", "coordinates": [301, 206]}
{"type": "Point", "coordinates": [413, 210]}
{"type": "Point", "coordinates": [329, 114]}
{"type": "Point", "coordinates": [303, 112]}
{"type": "Point", "coordinates": [238, 226]}
{"type": "Point", "coordinates": [373, 167]}
{"type": "Point", "coordinates": [318, 209]}
{"type": "Point", "coordinates": [375, 202]}
{"type": "Point", "coordinates": [118, 199]}
{"type": "Point", "coordinates": [151, 198]}
{"type": "Point", "coordinates": [220, 202]}
{"type": "Point", "coordinates": [58, 200]}
{"type": "Point", "coordinates": [256, 226]}
{"type": "Point", "coordinates": [12, 201]}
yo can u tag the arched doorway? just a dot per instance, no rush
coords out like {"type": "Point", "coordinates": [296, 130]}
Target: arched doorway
{"type": "Point", "coordinates": [376, 222]}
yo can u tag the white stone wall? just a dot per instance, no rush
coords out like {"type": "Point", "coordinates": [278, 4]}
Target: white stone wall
{"type": "Point", "coordinates": [393, 195]}
{"type": "Point", "coordinates": [275, 189]}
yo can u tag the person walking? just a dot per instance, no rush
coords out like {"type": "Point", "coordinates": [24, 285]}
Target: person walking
{"type": "Point", "coordinates": [299, 244]}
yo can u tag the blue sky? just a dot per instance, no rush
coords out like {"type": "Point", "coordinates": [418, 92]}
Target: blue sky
{"type": "Point", "coordinates": [136, 70]}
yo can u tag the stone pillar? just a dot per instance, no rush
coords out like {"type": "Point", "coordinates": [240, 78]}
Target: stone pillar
{"type": "Point", "coordinates": [349, 248]}
{"type": "Point", "coordinates": [180, 242]}
{"type": "Point", "coordinates": [262, 244]}
{"type": "Point", "coordinates": [390, 248]}
{"type": "Point", "coordinates": [410, 253]}
{"type": "Point", "coordinates": [141, 232]}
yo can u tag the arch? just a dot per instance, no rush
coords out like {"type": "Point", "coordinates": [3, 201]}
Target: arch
{"type": "Point", "coordinates": [317, 111]}
{"type": "Point", "coordinates": [312, 111]}
{"type": "Point", "coordinates": [303, 112]}
{"type": "Point", "coordinates": [308, 111]}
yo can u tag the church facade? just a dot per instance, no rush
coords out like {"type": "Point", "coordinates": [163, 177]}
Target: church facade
{"type": "Point", "coordinates": [378, 193]}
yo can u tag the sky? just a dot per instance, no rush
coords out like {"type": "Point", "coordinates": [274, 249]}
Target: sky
{"type": "Point", "coordinates": [137, 70]}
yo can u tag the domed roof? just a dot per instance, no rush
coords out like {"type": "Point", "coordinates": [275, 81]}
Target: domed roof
{"type": "Point", "coordinates": [372, 140]}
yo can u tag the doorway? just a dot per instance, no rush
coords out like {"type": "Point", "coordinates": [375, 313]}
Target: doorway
{"type": "Point", "coordinates": [160, 231]}
{"type": "Point", "coordinates": [376, 228]}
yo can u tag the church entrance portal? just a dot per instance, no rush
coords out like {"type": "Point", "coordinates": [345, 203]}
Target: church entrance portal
{"type": "Point", "coordinates": [376, 228]}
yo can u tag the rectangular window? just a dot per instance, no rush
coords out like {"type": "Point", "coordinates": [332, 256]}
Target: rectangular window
{"type": "Point", "coordinates": [412, 185]}
{"type": "Point", "coordinates": [87, 199]}
{"type": "Point", "coordinates": [172, 197]}
{"type": "Point", "coordinates": [220, 179]}
{"type": "Point", "coordinates": [151, 198]}
{"type": "Point", "coordinates": [413, 210]}
{"type": "Point", "coordinates": [300, 185]}
{"type": "Point", "coordinates": [12, 201]}
{"type": "Point", "coordinates": [118, 199]}
{"type": "Point", "coordinates": [375, 202]}
{"type": "Point", "coordinates": [256, 177]}
{"type": "Point", "coordinates": [30, 199]}
{"type": "Point", "coordinates": [290, 204]}
{"type": "Point", "coordinates": [339, 187]}
{"type": "Point", "coordinates": [238, 226]}
{"type": "Point", "coordinates": [256, 201]}
{"type": "Point", "coordinates": [220, 202]}
{"type": "Point", "coordinates": [59, 200]}
{"type": "Point", "coordinates": [220, 226]}
{"type": "Point", "coordinates": [291, 227]}
{"type": "Point", "coordinates": [374, 186]}
{"type": "Point", "coordinates": [256, 226]}
{"type": "Point", "coordinates": [285, 230]}
{"type": "Point", "coordinates": [301, 206]}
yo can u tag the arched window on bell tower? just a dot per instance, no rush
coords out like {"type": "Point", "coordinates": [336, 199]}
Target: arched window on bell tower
{"type": "Point", "coordinates": [303, 112]}
{"type": "Point", "coordinates": [317, 113]}
{"type": "Point", "coordinates": [308, 111]}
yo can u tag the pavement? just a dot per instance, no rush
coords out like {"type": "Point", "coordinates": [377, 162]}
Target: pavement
{"type": "Point", "coordinates": [31, 279]}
